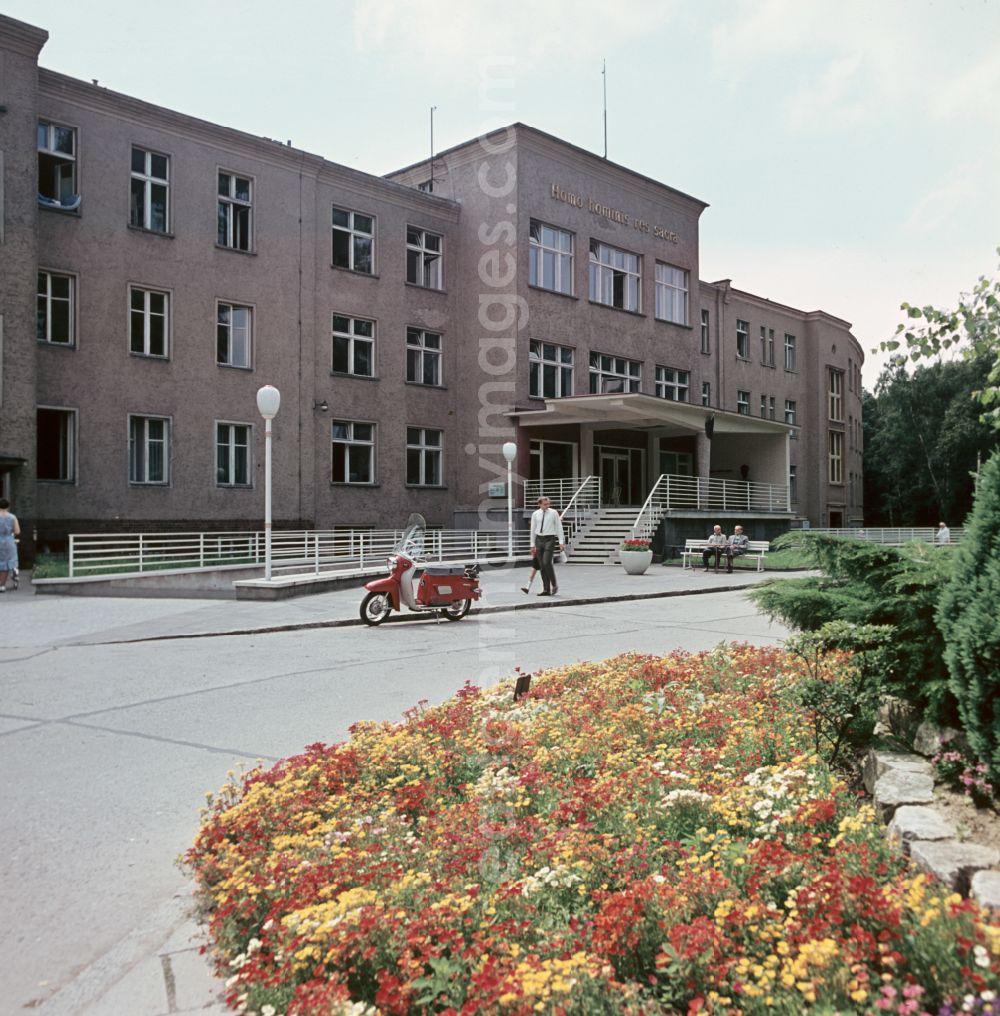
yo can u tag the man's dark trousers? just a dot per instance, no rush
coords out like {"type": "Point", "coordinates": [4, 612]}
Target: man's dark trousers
{"type": "Point", "coordinates": [545, 552]}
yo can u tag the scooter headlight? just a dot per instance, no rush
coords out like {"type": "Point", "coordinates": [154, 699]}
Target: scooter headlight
{"type": "Point", "coordinates": [390, 563]}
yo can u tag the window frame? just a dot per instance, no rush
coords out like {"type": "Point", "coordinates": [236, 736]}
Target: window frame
{"type": "Point", "coordinates": [219, 304]}
{"type": "Point", "coordinates": [231, 447]}
{"type": "Point", "coordinates": [48, 298]}
{"type": "Point", "coordinates": [790, 352]}
{"type": "Point", "coordinates": [603, 274]}
{"type": "Point", "coordinates": [353, 341]}
{"type": "Point", "coordinates": [666, 293]}
{"type": "Point", "coordinates": [353, 234]}
{"type": "Point", "coordinates": [232, 202]}
{"type": "Point", "coordinates": [59, 159]}
{"type": "Point", "coordinates": [835, 394]}
{"type": "Point", "coordinates": [429, 262]}
{"type": "Point", "coordinates": [706, 341]}
{"type": "Point", "coordinates": [767, 346]}
{"type": "Point", "coordinates": [791, 412]}
{"type": "Point", "coordinates": [706, 393]}
{"type": "Point", "coordinates": [742, 402]}
{"type": "Point", "coordinates": [419, 352]}
{"type": "Point", "coordinates": [349, 443]}
{"type": "Point", "coordinates": [835, 457]}
{"type": "Point", "coordinates": [742, 339]}
{"type": "Point", "coordinates": [563, 261]}
{"type": "Point", "coordinates": [613, 373]}
{"type": "Point", "coordinates": [145, 480]}
{"type": "Point", "coordinates": [563, 371]}
{"type": "Point", "coordinates": [426, 453]}
{"type": "Point", "coordinates": [149, 181]}
{"type": "Point", "coordinates": [71, 416]}
{"type": "Point", "coordinates": [678, 386]}
{"type": "Point", "coordinates": [147, 315]}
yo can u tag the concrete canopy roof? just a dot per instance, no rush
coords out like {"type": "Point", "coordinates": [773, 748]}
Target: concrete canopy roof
{"type": "Point", "coordinates": [644, 412]}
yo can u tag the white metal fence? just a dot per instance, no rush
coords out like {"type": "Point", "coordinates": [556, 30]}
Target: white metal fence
{"type": "Point", "coordinates": [891, 536]}
{"type": "Point", "coordinates": [291, 550]}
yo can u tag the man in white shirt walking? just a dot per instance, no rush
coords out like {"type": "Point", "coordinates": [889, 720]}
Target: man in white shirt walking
{"type": "Point", "coordinates": [546, 538]}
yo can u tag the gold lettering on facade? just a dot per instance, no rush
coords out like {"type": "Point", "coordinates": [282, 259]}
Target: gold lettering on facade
{"type": "Point", "coordinates": [611, 214]}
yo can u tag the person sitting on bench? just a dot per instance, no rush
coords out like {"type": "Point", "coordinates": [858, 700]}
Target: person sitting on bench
{"type": "Point", "coordinates": [717, 545]}
{"type": "Point", "coordinates": [737, 545]}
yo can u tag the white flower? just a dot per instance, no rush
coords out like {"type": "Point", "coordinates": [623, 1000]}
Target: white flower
{"type": "Point", "coordinates": [268, 1010]}
{"type": "Point", "coordinates": [982, 957]}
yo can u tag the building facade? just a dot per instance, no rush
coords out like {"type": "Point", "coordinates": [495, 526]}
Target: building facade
{"type": "Point", "coordinates": [156, 270]}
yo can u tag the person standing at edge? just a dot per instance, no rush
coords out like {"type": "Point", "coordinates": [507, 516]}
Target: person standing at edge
{"type": "Point", "coordinates": [9, 528]}
{"type": "Point", "coordinates": [546, 538]}
{"type": "Point", "coordinates": [716, 544]}
{"type": "Point", "coordinates": [943, 535]}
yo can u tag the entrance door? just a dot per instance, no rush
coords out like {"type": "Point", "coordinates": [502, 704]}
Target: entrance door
{"type": "Point", "coordinates": [615, 477]}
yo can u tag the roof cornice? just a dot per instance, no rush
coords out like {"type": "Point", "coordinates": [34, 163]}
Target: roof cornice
{"type": "Point", "coordinates": [99, 99]}
{"type": "Point", "coordinates": [20, 37]}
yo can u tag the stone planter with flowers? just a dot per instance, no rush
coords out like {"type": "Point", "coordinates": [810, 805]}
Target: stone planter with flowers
{"type": "Point", "coordinates": [635, 555]}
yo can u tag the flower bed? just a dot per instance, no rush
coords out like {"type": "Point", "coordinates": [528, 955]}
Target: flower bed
{"type": "Point", "coordinates": [634, 836]}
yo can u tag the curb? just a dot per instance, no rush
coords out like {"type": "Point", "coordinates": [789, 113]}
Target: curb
{"type": "Point", "coordinates": [400, 618]}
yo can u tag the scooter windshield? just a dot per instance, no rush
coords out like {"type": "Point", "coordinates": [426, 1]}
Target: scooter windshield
{"type": "Point", "coordinates": [411, 543]}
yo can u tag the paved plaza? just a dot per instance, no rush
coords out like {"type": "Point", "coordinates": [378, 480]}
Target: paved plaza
{"type": "Point", "coordinates": [117, 715]}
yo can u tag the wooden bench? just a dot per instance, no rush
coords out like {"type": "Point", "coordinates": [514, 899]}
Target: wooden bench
{"type": "Point", "coordinates": [756, 551]}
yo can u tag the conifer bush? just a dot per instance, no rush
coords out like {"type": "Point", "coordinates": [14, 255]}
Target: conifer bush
{"type": "Point", "coordinates": [968, 616]}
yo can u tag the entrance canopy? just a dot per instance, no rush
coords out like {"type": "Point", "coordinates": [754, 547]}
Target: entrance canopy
{"type": "Point", "coordinates": [643, 412]}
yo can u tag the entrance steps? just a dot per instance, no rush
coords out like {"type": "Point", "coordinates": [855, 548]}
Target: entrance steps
{"type": "Point", "coordinates": [599, 542]}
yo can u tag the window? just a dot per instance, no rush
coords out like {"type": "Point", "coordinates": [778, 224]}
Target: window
{"type": "Point", "coordinates": [743, 339]}
{"type": "Point", "coordinates": [613, 374]}
{"type": "Point", "coordinates": [148, 449]}
{"type": "Point", "coordinates": [235, 205]}
{"type": "Point", "coordinates": [551, 370]}
{"type": "Point", "coordinates": [233, 335]}
{"type": "Point", "coordinates": [743, 402]}
{"type": "Point", "coordinates": [56, 164]}
{"type": "Point", "coordinates": [793, 484]}
{"type": "Point", "coordinates": [148, 322]}
{"type": "Point", "coordinates": [836, 456]}
{"type": "Point", "coordinates": [671, 294]}
{"type": "Point", "coordinates": [550, 258]}
{"type": "Point", "coordinates": [353, 346]}
{"type": "Point", "coordinates": [790, 412]}
{"type": "Point", "coordinates": [354, 242]}
{"type": "Point", "coordinates": [55, 313]}
{"type": "Point", "coordinates": [672, 384]}
{"type": "Point", "coordinates": [55, 431]}
{"type": "Point", "coordinates": [763, 407]}
{"type": "Point", "coordinates": [706, 393]}
{"type": "Point", "coordinates": [423, 456]}
{"type": "Point", "coordinates": [423, 357]}
{"type": "Point", "coordinates": [423, 258]}
{"type": "Point", "coordinates": [767, 346]}
{"type": "Point", "coordinates": [705, 347]}
{"type": "Point", "coordinates": [770, 407]}
{"type": "Point", "coordinates": [353, 452]}
{"type": "Point", "coordinates": [789, 352]}
{"type": "Point", "coordinates": [614, 277]}
{"type": "Point", "coordinates": [836, 395]}
{"type": "Point", "coordinates": [150, 184]}
{"type": "Point", "coordinates": [232, 454]}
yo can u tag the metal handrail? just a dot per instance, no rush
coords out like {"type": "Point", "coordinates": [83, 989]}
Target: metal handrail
{"type": "Point", "coordinates": [559, 491]}
{"type": "Point", "coordinates": [648, 518]}
{"type": "Point", "coordinates": [589, 493]}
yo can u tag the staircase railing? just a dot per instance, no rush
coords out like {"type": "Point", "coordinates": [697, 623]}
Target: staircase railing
{"type": "Point", "coordinates": [652, 510]}
{"type": "Point", "coordinates": [559, 491]}
{"type": "Point", "coordinates": [586, 500]}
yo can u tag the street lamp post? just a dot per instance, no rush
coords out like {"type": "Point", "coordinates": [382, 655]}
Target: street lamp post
{"type": "Point", "coordinates": [268, 401]}
{"type": "Point", "coordinates": [510, 453]}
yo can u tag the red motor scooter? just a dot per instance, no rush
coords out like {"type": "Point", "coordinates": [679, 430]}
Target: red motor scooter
{"type": "Point", "coordinates": [445, 589]}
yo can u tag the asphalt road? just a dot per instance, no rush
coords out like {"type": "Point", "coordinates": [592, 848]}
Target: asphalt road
{"type": "Point", "coordinates": [108, 746]}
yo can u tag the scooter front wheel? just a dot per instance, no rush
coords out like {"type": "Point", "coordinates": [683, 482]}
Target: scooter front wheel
{"type": "Point", "coordinates": [375, 608]}
{"type": "Point", "coordinates": [457, 610]}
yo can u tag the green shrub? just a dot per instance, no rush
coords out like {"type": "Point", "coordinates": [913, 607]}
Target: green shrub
{"type": "Point", "coordinates": [870, 584]}
{"type": "Point", "coordinates": [969, 618]}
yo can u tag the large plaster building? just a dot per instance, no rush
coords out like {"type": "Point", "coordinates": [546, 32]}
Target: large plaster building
{"type": "Point", "coordinates": [156, 270]}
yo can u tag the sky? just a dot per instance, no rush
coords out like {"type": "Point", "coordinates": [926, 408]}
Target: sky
{"type": "Point", "coordinates": [849, 149]}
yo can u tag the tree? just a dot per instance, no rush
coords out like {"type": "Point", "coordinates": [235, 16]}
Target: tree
{"type": "Point", "coordinates": [923, 440]}
{"type": "Point", "coordinates": [970, 624]}
{"type": "Point", "coordinates": [973, 329]}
